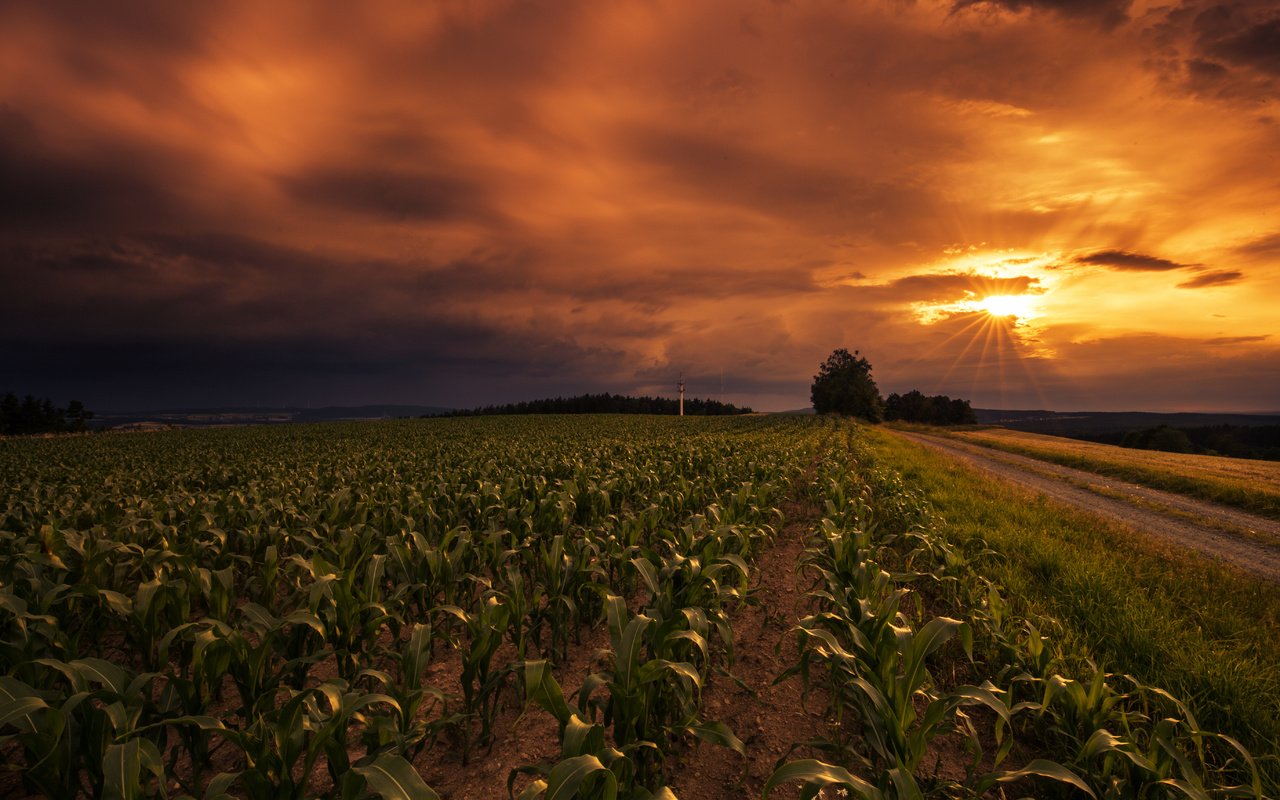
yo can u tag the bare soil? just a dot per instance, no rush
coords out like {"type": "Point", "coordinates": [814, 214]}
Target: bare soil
{"type": "Point", "coordinates": [768, 718]}
{"type": "Point", "coordinates": [1245, 541]}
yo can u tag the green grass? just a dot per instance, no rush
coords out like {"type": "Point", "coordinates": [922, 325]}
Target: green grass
{"type": "Point", "coordinates": [1249, 485]}
{"type": "Point", "coordinates": [1168, 617]}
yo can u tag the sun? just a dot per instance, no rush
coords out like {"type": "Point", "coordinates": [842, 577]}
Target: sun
{"type": "Point", "coordinates": [1020, 306]}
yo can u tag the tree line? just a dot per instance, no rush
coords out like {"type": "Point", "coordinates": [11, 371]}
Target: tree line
{"type": "Point", "coordinates": [39, 415]}
{"type": "Point", "coordinates": [844, 385]}
{"type": "Point", "coordinates": [607, 404]}
{"type": "Point", "coordinates": [1237, 441]}
{"type": "Point", "coordinates": [938, 409]}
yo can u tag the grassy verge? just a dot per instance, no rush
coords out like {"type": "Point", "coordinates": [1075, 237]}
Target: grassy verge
{"type": "Point", "coordinates": [1254, 489]}
{"type": "Point", "coordinates": [1202, 631]}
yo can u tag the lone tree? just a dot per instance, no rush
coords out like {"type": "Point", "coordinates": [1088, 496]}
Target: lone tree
{"type": "Point", "coordinates": [844, 385]}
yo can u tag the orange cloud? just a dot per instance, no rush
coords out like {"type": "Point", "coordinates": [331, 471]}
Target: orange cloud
{"type": "Point", "coordinates": [461, 203]}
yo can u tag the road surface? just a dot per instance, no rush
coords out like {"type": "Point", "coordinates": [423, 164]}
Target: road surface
{"type": "Point", "coordinates": [1248, 542]}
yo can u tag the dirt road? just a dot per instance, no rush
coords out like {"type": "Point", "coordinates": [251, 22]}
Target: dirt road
{"type": "Point", "coordinates": [1243, 540]}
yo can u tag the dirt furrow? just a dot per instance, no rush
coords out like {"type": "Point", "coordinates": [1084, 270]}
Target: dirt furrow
{"type": "Point", "coordinates": [768, 718]}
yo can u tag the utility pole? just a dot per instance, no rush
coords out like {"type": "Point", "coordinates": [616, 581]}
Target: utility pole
{"type": "Point", "coordinates": [680, 386]}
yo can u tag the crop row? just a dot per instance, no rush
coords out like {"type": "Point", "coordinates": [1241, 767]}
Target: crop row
{"type": "Point", "coordinates": [253, 612]}
{"type": "Point", "coordinates": [881, 567]}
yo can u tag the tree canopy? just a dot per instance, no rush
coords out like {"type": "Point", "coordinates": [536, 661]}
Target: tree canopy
{"type": "Point", "coordinates": [844, 385]}
{"type": "Point", "coordinates": [40, 415]}
{"type": "Point", "coordinates": [915, 406]}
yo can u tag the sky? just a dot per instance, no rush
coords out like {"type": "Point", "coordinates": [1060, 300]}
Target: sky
{"type": "Point", "coordinates": [1063, 204]}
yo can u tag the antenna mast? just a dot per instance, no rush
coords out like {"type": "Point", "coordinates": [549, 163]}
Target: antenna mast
{"type": "Point", "coordinates": [680, 386]}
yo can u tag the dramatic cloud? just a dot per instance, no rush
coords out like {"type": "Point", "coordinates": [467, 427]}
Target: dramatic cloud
{"type": "Point", "coordinates": [389, 194]}
{"type": "Point", "coordinates": [1237, 339]}
{"type": "Point", "coordinates": [1110, 12]}
{"type": "Point", "coordinates": [1122, 260]}
{"type": "Point", "coordinates": [1226, 51]}
{"type": "Point", "coordinates": [1256, 45]}
{"type": "Point", "coordinates": [1212, 279]}
{"type": "Point", "coordinates": [1265, 246]}
{"type": "Point", "coordinates": [949, 287]}
{"type": "Point", "coordinates": [463, 203]}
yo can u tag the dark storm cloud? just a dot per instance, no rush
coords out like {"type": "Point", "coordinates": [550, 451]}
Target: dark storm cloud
{"type": "Point", "coordinates": [1255, 44]}
{"type": "Point", "coordinates": [41, 189]}
{"type": "Point", "coordinates": [1226, 51]}
{"type": "Point", "coordinates": [220, 286]}
{"type": "Point", "coordinates": [234, 319]}
{"type": "Point", "coordinates": [394, 194]}
{"type": "Point", "coordinates": [1218, 278]}
{"type": "Point", "coordinates": [1208, 78]}
{"type": "Point", "coordinates": [1127, 261]}
{"type": "Point", "coordinates": [405, 363]}
{"type": "Point", "coordinates": [224, 285]}
{"type": "Point", "coordinates": [150, 25]}
{"type": "Point", "coordinates": [1206, 71]}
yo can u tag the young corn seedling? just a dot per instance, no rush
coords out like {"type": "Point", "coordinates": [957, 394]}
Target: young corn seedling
{"type": "Point", "coordinates": [262, 654]}
{"type": "Point", "coordinates": [160, 605]}
{"type": "Point", "coordinates": [283, 747]}
{"type": "Point", "coordinates": [106, 705]}
{"type": "Point", "coordinates": [36, 722]}
{"type": "Point", "coordinates": [1170, 752]}
{"type": "Point", "coordinates": [481, 684]}
{"type": "Point", "coordinates": [350, 607]}
{"type": "Point", "coordinates": [588, 767]}
{"type": "Point", "coordinates": [682, 594]}
{"type": "Point", "coordinates": [218, 591]}
{"type": "Point", "coordinates": [410, 729]}
{"type": "Point", "coordinates": [650, 700]}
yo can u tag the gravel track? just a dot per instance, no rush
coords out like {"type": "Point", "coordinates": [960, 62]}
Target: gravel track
{"type": "Point", "coordinates": [1254, 546]}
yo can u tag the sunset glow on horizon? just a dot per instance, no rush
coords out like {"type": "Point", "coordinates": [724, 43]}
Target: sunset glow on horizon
{"type": "Point", "coordinates": [1028, 203]}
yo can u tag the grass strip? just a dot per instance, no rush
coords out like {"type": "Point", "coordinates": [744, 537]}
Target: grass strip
{"type": "Point", "coordinates": [1169, 617]}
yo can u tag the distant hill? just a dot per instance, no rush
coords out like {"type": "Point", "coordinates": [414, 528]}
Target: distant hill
{"type": "Point", "coordinates": [205, 417]}
{"type": "Point", "coordinates": [1090, 424]}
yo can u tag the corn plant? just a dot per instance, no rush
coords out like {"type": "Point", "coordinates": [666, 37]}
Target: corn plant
{"type": "Point", "coordinates": [650, 700]}
{"type": "Point", "coordinates": [413, 726]}
{"type": "Point", "coordinates": [589, 767]}
{"type": "Point", "coordinates": [283, 747]}
{"type": "Point", "coordinates": [77, 735]}
{"type": "Point", "coordinates": [481, 683]}
{"type": "Point", "coordinates": [348, 601]}
{"type": "Point", "coordinates": [38, 728]}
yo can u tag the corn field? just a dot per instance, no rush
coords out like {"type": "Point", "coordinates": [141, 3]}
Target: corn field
{"type": "Point", "coordinates": [256, 613]}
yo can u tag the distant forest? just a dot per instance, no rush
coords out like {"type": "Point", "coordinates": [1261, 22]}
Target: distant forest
{"type": "Point", "coordinates": [607, 404]}
{"type": "Point", "coordinates": [1237, 441]}
{"type": "Point", "coordinates": [915, 406]}
{"type": "Point", "coordinates": [39, 415]}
